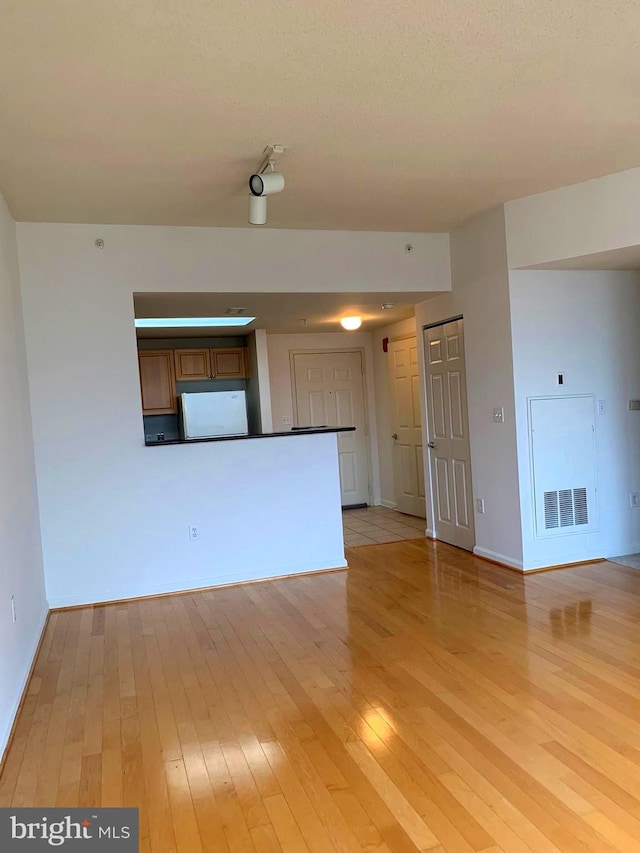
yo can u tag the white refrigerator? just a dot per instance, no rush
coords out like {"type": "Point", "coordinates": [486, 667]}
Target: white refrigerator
{"type": "Point", "coordinates": [213, 413]}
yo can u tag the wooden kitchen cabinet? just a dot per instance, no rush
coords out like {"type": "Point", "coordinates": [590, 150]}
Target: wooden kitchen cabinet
{"type": "Point", "coordinates": [228, 363]}
{"type": "Point", "coordinates": [157, 382]}
{"type": "Point", "coordinates": [192, 364]}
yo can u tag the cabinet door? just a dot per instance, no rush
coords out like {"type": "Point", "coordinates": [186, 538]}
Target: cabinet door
{"type": "Point", "coordinates": [157, 382]}
{"type": "Point", "coordinates": [228, 363]}
{"type": "Point", "coordinates": [192, 364]}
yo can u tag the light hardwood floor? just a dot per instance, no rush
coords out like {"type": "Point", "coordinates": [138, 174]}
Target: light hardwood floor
{"type": "Point", "coordinates": [422, 700]}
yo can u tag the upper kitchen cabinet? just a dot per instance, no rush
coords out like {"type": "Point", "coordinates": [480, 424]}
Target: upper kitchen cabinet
{"type": "Point", "coordinates": [228, 363]}
{"type": "Point", "coordinates": [192, 364]}
{"type": "Point", "coordinates": [157, 382]}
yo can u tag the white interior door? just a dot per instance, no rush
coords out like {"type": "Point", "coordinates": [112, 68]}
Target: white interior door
{"type": "Point", "coordinates": [448, 424]}
{"type": "Point", "coordinates": [329, 390]}
{"type": "Point", "coordinates": [406, 424]}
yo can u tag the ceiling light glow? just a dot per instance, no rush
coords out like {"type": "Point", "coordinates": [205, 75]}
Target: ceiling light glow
{"type": "Point", "coordinates": [190, 322]}
{"type": "Point", "coordinates": [351, 323]}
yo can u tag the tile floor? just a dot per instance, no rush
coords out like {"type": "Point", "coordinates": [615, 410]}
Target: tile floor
{"type": "Point", "coordinates": [375, 524]}
{"type": "Point", "coordinates": [630, 560]}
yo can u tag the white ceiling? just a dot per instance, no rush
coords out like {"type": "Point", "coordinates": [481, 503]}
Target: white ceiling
{"type": "Point", "coordinates": [275, 312]}
{"type": "Point", "coordinates": [410, 116]}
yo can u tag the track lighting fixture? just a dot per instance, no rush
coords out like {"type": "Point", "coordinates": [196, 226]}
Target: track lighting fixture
{"type": "Point", "coordinates": [264, 182]}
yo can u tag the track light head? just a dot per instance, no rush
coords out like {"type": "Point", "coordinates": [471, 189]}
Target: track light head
{"type": "Point", "coordinates": [266, 183]}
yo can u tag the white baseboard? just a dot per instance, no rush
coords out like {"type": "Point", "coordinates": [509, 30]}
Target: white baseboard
{"type": "Point", "coordinates": [429, 533]}
{"type": "Point", "coordinates": [388, 504]}
{"type": "Point", "coordinates": [193, 584]}
{"type": "Point", "coordinates": [498, 558]}
{"type": "Point", "coordinates": [7, 728]}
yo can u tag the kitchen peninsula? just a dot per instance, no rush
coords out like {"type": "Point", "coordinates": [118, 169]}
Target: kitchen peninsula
{"type": "Point", "coordinates": [228, 499]}
{"type": "Point", "coordinates": [263, 506]}
{"type": "Point", "coordinates": [299, 432]}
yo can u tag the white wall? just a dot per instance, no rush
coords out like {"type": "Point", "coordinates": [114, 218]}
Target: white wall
{"type": "Point", "coordinates": [264, 507]}
{"type": "Point", "coordinates": [112, 521]}
{"type": "Point", "coordinates": [383, 404]}
{"type": "Point", "coordinates": [20, 550]}
{"type": "Point", "coordinates": [280, 380]}
{"type": "Point", "coordinates": [262, 376]}
{"type": "Point", "coordinates": [481, 295]}
{"type": "Point", "coordinates": [584, 324]}
{"type": "Point", "coordinates": [258, 390]}
{"type": "Point", "coordinates": [583, 219]}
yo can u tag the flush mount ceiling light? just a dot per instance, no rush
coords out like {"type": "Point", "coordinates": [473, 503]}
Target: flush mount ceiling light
{"type": "Point", "coordinates": [266, 181]}
{"type": "Point", "coordinates": [387, 305]}
{"type": "Point", "coordinates": [351, 323]}
{"type": "Point", "coordinates": [190, 322]}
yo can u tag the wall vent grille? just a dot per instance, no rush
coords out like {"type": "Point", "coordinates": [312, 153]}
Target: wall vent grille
{"type": "Point", "coordinates": [565, 508]}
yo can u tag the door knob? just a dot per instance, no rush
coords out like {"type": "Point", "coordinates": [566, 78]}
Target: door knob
{"type": "Point", "coordinates": [395, 436]}
{"type": "Point", "coordinates": [431, 444]}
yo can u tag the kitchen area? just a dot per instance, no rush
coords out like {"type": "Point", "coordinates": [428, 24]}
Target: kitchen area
{"type": "Point", "coordinates": [203, 389]}
{"type": "Point", "coordinates": [196, 387]}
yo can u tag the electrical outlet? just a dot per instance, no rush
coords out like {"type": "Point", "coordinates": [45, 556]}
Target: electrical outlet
{"type": "Point", "coordinates": [480, 505]}
{"type": "Point", "coordinates": [286, 420]}
{"type": "Point", "coordinates": [634, 500]}
{"type": "Point", "coordinates": [13, 608]}
{"type": "Point", "coordinates": [194, 532]}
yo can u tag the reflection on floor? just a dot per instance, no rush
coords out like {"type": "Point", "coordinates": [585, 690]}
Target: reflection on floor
{"type": "Point", "coordinates": [630, 560]}
{"type": "Point", "coordinates": [376, 524]}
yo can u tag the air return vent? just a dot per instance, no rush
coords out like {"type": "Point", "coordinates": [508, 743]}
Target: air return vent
{"type": "Point", "coordinates": [562, 442]}
{"type": "Point", "coordinates": [565, 508]}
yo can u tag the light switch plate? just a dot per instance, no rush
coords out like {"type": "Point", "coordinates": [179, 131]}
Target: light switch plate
{"type": "Point", "coordinates": [498, 415]}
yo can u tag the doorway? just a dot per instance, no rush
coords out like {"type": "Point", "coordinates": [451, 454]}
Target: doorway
{"type": "Point", "coordinates": [329, 391]}
{"type": "Point", "coordinates": [406, 424]}
{"type": "Point", "coordinates": [448, 428]}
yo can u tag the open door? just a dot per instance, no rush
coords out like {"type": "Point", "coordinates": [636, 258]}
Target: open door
{"type": "Point", "coordinates": [448, 427]}
{"type": "Point", "coordinates": [406, 421]}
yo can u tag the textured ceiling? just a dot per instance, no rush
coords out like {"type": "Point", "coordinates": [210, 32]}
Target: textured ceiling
{"type": "Point", "coordinates": [409, 116]}
{"type": "Point", "coordinates": [276, 312]}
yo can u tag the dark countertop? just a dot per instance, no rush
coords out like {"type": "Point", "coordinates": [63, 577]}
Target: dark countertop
{"type": "Point", "coordinates": [310, 431]}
